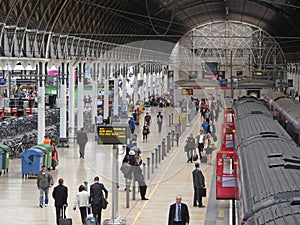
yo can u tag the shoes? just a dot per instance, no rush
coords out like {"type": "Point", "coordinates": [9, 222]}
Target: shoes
{"type": "Point", "coordinates": [126, 189]}
{"type": "Point", "coordinates": [201, 206]}
{"type": "Point", "coordinates": [45, 205]}
{"type": "Point", "coordinates": [41, 205]}
{"type": "Point", "coordinates": [145, 199]}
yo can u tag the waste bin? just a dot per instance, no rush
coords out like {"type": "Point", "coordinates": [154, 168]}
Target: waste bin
{"type": "Point", "coordinates": [1, 155]}
{"type": "Point", "coordinates": [5, 157]}
{"type": "Point", "coordinates": [32, 161]}
{"type": "Point", "coordinates": [47, 149]}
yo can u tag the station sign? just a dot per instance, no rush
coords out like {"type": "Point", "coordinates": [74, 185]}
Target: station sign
{"type": "Point", "coordinates": [112, 134]}
{"type": "Point", "coordinates": [187, 91]}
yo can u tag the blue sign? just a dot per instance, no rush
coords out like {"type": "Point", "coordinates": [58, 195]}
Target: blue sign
{"type": "Point", "coordinates": [223, 83]}
{"type": "Point", "coordinates": [2, 81]}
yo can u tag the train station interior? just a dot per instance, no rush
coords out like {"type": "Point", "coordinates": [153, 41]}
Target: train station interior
{"type": "Point", "coordinates": [228, 68]}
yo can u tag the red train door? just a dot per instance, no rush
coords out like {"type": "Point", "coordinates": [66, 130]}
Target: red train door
{"type": "Point", "coordinates": [226, 175]}
{"type": "Point", "coordinates": [228, 132]}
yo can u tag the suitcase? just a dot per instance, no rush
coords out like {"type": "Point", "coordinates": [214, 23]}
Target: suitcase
{"type": "Point", "coordinates": [203, 159]}
{"type": "Point", "coordinates": [65, 221]}
{"type": "Point", "coordinates": [90, 220]}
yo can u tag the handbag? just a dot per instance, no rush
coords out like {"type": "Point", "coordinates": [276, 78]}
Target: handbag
{"type": "Point", "coordinates": [202, 191]}
{"type": "Point", "coordinates": [195, 156]}
{"type": "Point", "coordinates": [103, 203]}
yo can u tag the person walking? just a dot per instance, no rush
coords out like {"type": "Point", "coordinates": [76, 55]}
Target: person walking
{"type": "Point", "coordinates": [139, 177]}
{"type": "Point", "coordinates": [81, 141]}
{"type": "Point", "coordinates": [96, 194]}
{"type": "Point", "coordinates": [147, 118]}
{"type": "Point", "coordinates": [200, 142]}
{"type": "Point", "coordinates": [145, 131]}
{"type": "Point", "coordinates": [60, 195]}
{"type": "Point", "coordinates": [198, 183]}
{"type": "Point", "coordinates": [44, 182]}
{"type": "Point", "coordinates": [189, 147]}
{"type": "Point", "coordinates": [178, 213]}
{"type": "Point", "coordinates": [159, 121]}
{"type": "Point", "coordinates": [82, 202]}
{"type": "Point", "coordinates": [208, 147]}
{"type": "Point", "coordinates": [131, 123]}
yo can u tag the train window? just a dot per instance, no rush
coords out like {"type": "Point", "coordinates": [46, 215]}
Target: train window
{"type": "Point", "coordinates": [228, 166]}
{"type": "Point", "coordinates": [229, 137]}
{"type": "Point", "coordinates": [229, 118]}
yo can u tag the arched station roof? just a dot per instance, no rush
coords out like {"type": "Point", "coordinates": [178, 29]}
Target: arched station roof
{"type": "Point", "coordinates": [124, 21]}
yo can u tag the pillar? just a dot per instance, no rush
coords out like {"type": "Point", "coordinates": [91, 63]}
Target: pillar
{"type": "Point", "coordinates": [41, 102]}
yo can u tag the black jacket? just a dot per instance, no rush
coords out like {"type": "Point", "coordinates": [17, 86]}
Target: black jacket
{"type": "Point", "coordinates": [198, 178]}
{"type": "Point", "coordinates": [96, 193]}
{"type": "Point", "coordinates": [185, 216]}
{"type": "Point", "coordinates": [60, 195]}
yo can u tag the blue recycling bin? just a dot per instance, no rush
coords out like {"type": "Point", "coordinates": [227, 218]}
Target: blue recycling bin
{"type": "Point", "coordinates": [1, 161]}
{"type": "Point", "coordinates": [32, 161]}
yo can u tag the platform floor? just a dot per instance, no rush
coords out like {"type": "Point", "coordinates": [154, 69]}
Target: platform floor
{"type": "Point", "coordinates": [19, 197]}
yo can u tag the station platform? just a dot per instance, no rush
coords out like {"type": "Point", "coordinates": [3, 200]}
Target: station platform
{"type": "Point", "coordinates": [19, 198]}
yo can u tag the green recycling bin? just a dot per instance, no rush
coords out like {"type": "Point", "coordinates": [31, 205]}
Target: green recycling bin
{"type": "Point", "coordinates": [5, 157]}
{"type": "Point", "coordinates": [47, 149]}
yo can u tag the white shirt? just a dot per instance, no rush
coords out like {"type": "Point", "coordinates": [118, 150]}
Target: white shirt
{"type": "Point", "coordinates": [201, 138]}
{"type": "Point", "coordinates": [82, 199]}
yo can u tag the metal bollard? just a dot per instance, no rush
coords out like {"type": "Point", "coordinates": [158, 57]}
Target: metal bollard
{"type": "Point", "coordinates": [159, 153]}
{"type": "Point", "coordinates": [179, 129]}
{"type": "Point", "coordinates": [163, 146]}
{"type": "Point", "coordinates": [169, 120]}
{"type": "Point", "coordinates": [148, 170]}
{"type": "Point", "coordinates": [172, 138]}
{"type": "Point", "coordinates": [127, 182]}
{"type": "Point", "coordinates": [156, 157]}
{"type": "Point", "coordinates": [168, 142]}
{"type": "Point", "coordinates": [144, 168]}
{"type": "Point", "coordinates": [177, 139]}
{"type": "Point", "coordinates": [152, 153]}
{"type": "Point", "coordinates": [172, 116]}
{"type": "Point", "coordinates": [133, 187]}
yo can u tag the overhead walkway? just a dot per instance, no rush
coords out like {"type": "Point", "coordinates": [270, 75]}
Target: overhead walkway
{"type": "Point", "coordinates": [19, 197]}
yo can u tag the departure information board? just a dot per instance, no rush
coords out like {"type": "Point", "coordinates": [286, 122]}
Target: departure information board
{"type": "Point", "coordinates": [112, 134]}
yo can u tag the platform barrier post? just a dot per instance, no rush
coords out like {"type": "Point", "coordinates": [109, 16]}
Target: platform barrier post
{"type": "Point", "coordinates": [148, 167]}
{"type": "Point", "coordinates": [152, 154]}
{"type": "Point", "coordinates": [168, 142]}
{"type": "Point", "coordinates": [159, 153]}
{"type": "Point", "coordinates": [156, 157]}
{"type": "Point", "coordinates": [133, 187]}
{"type": "Point", "coordinates": [163, 146]}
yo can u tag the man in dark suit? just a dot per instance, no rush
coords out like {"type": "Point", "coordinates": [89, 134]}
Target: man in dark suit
{"type": "Point", "coordinates": [199, 183]}
{"type": "Point", "coordinates": [179, 213]}
{"type": "Point", "coordinates": [81, 141]}
{"type": "Point", "coordinates": [60, 195]}
{"type": "Point", "coordinates": [96, 194]}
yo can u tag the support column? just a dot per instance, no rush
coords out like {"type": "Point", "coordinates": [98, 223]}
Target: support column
{"type": "Point", "coordinates": [135, 83]}
{"type": "Point", "coordinates": [146, 87]}
{"type": "Point", "coordinates": [106, 94]}
{"type": "Point", "coordinates": [41, 102]}
{"type": "Point", "coordinates": [165, 81]}
{"type": "Point", "coordinates": [94, 93]}
{"type": "Point", "coordinates": [63, 142]}
{"type": "Point", "coordinates": [124, 83]}
{"type": "Point", "coordinates": [115, 218]}
{"type": "Point", "coordinates": [115, 117]}
{"type": "Point", "coordinates": [71, 103]}
{"type": "Point", "coordinates": [141, 88]}
{"type": "Point", "coordinates": [151, 80]}
{"type": "Point", "coordinates": [80, 104]}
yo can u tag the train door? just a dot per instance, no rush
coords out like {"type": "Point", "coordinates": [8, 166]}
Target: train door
{"type": "Point", "coordinates": [226, 175]}
{"type": "Point", "coordinates": [228, 137]}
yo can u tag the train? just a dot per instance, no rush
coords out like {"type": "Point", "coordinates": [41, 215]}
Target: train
{"type": "Point", "coordinates": [286, 111]}
{"type": "Point", "coordinates": [265, 164]}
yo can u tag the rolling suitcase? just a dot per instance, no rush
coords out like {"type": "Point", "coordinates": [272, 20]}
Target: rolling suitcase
{"type": "Point", "coordinates": [90, 220]}
{"type": "Point", "coordinates": [203, 159]}
{"type": "Point", "coordinates": [63, 220]}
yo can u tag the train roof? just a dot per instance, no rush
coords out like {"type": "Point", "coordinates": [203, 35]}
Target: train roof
{"type": "Point", "coordinates": [250, 106]}
{"type": "Point", "coordinates": [274, 95]}
{"type": "Point", "coordinates": [270, 170]}
{"type": "Point", "coordinates": [290, 108]}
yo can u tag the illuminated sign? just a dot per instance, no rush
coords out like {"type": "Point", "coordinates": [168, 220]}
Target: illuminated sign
{"type": "Point", "coordinates": [187, 91]}
{"type": "Point", "coordinates": [108, 135]}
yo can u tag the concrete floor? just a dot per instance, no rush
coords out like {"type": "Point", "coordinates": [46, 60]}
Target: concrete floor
{"type": "Point", "coordinates": [19, 198]}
